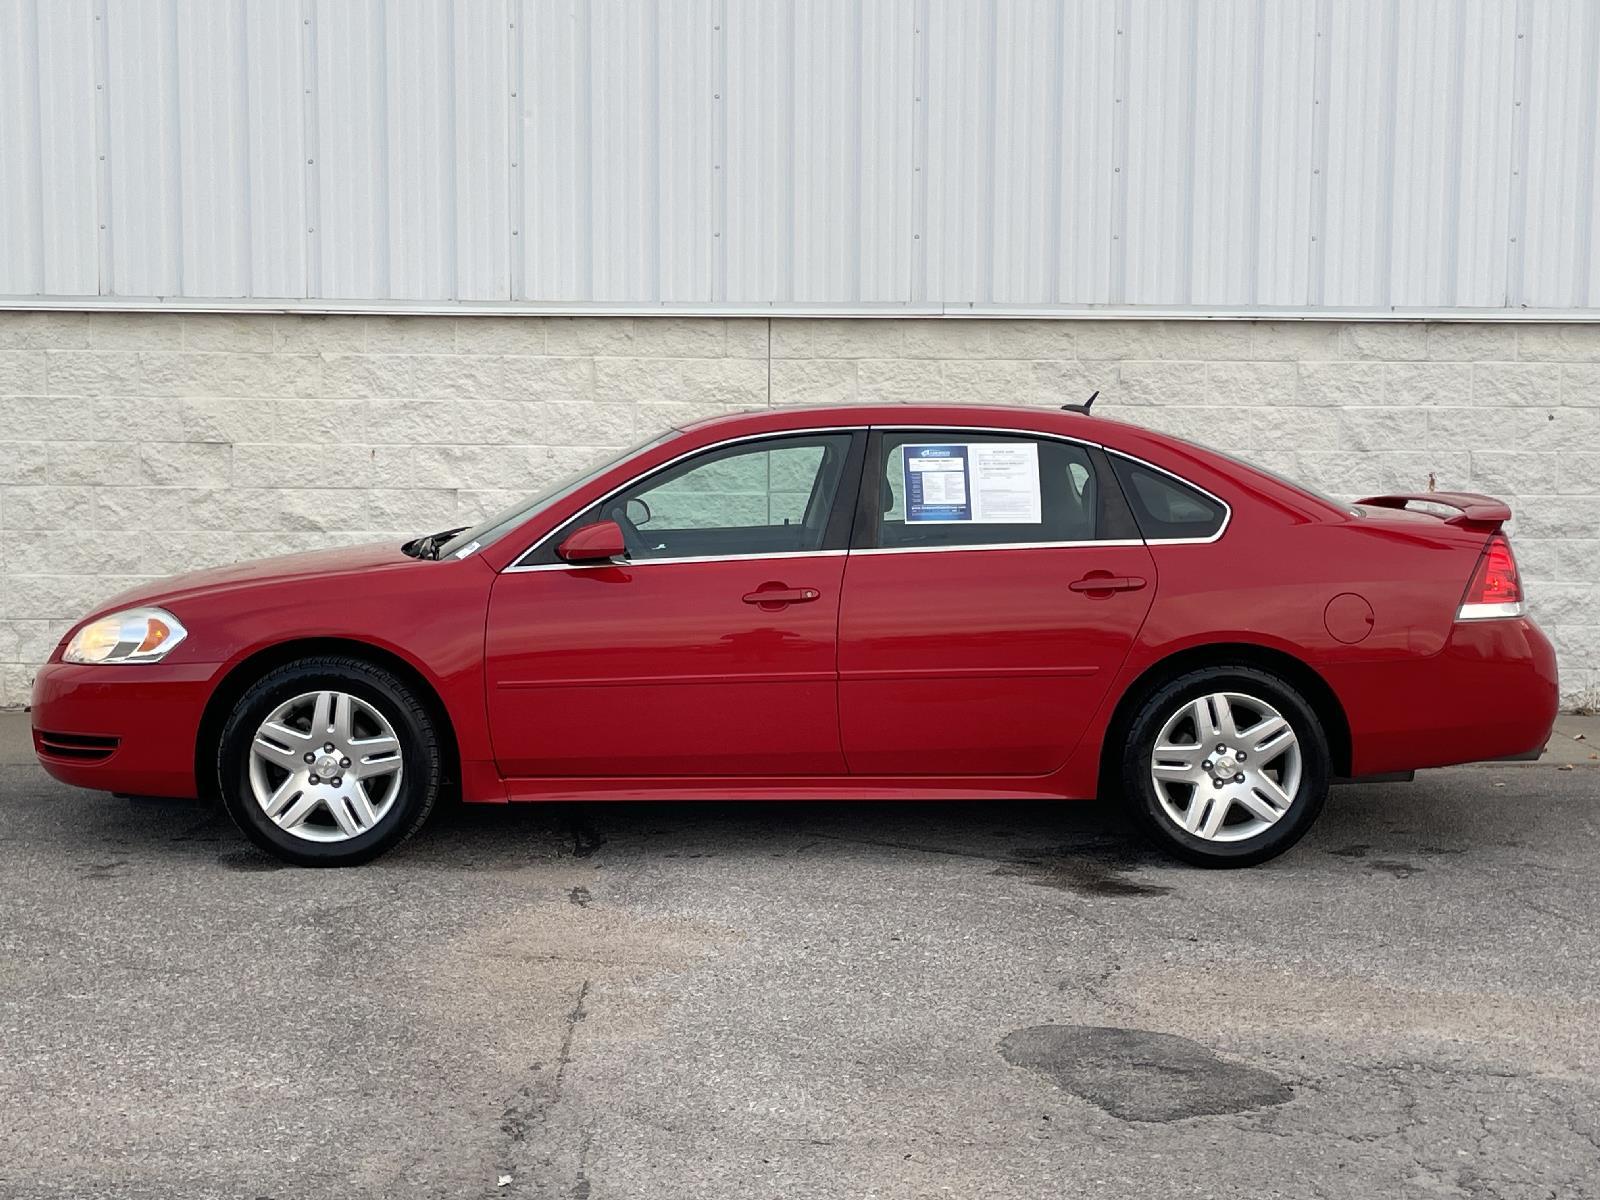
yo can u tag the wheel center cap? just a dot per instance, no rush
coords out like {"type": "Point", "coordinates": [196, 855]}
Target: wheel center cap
{"type": "Point", "coordinates": [327, 766]}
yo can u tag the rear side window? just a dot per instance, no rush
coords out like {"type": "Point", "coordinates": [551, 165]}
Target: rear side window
{"type": "Point", "coordinates": [1165, 507]}
{"type": "Point", "coordinates": [941, 488]}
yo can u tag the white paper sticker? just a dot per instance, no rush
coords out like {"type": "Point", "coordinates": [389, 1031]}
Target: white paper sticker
{"type": "Point", "coordinates": [1005, 483]}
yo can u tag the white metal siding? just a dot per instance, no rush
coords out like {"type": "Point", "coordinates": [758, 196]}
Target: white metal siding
{"type": "Point", "coordinates": [846, 155]}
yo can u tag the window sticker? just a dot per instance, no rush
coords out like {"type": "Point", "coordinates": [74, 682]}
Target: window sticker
{"type": "Point", "coordinates": [984, 483]}
{"type": "Point", "coordinates": [936, 484]}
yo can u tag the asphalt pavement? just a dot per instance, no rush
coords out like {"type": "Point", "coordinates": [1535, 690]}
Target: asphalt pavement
{"type": "Point", "coordinates": [807, 1000]}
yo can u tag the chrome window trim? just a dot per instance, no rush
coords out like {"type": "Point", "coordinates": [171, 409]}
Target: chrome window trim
{"type": "Point", "coordinates": [1227, 509]}
{"type": "Point", "coordinates": [997, 546]}
{"type": "Point", "coordinates": [518, 567]}
{"type": "Point", "coordinates": [630, 563]}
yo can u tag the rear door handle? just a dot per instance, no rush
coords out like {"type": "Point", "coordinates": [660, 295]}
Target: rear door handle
{"type": "Point", "coordinates": [781, 595]}
{"type": "Point", "coordinates": [1105, 584]}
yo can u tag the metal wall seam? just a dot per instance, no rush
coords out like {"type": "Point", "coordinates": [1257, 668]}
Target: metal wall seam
{"type": "Point", "coordinates": [1117, 282]}
{"type": "Point", "coordinates": [1316, 236]}
{"type": "Point", "coordinates": [920, 186]}
{"type": "Point", "coordinates": [102, 147]}
{"type": "Point", "coordinates": [1518, 216]}
{"type": "Point", "coordinates": [311, 147]}
{"type": "Point", "coordinates": [719, 151]}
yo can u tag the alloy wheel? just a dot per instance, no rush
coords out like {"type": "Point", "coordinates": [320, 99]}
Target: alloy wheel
{"type": "Point", "coordinates": [1226, 767]}
{"type": "Point", "coordinates": [325, 766]}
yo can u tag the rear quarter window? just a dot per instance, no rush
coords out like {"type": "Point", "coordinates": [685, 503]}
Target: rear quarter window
{"type": "Point", "coordinates": [1165, 507]}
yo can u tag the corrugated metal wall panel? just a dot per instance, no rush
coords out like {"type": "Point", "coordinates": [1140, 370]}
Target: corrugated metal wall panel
{"type": "Point", "coordinates": [1087, 123]}
{"type": "Point", "coordinates": [1025, 194]}
{"type": "Point", "coordinates": [556, 98]}
{"type": "Point", "coordinates": [1562, 99]}
{"type": "Point", "coordinates": [213, 148]}
{"type": "Point", "coordinates": [963, 70]}
{"type": "Point", "coordinates": [420, 85]}
{"type": "Point", "coordinates": [480, 150]}
{"type": "Point", "coordinates": [1481, 209]}
{"type": "Point", "coordinates": [145, 198]}
{"type": "Point", "coordinates": [21, 189]}
{"type": "Point", "coordinates": [1370, 155]}
{"type": "Point", "coordinates": [1288, 100]}
{"type": "Point", "coordinates": [1364, 71]}
{"type": "Point", "coordinates": [349, 242]}
{"type": "Point", "coordinates": [1163, 46]}
{"type": "Point", "coordinates": [890, 174]}
{"type": "Point", "coordinates": [276, 47]}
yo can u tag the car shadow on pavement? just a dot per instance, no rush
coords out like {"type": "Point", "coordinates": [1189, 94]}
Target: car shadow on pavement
{"type": "Point", "coordinates": [1082, 846]}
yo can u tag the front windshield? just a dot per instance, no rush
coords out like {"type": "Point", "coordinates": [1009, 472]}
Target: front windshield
{"type": "Point", "coordinates": [504, 522]}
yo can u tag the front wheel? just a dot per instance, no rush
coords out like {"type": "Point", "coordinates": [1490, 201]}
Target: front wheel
{"type": "Point", "coordinates": [329, 761]}
{"type": "Point", "coordinates": [1226, 766]}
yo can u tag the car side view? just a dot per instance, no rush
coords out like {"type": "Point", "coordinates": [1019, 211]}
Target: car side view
{"type": "Point", "coordinates": [885, 602]}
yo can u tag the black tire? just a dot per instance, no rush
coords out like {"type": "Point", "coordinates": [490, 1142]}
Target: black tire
{"type": "Point", "coordinates": [399, 704]}
{"type": "Point", "coordinates": [1159, 825]}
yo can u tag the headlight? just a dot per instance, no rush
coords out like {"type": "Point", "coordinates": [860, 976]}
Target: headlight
{"type": "Point", "coordinates": [132, 636]}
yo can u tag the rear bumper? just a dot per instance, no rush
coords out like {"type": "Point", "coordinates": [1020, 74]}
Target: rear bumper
{"type": "Point", "coordinates": [121, 729]}
{"type": "Point", "coordinates": [1491, 693]}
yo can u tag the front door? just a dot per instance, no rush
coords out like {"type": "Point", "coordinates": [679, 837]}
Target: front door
{"type": "Point", "coordinates": [710, 649]}
{"type": "Point", "coordinates": [995, 589]}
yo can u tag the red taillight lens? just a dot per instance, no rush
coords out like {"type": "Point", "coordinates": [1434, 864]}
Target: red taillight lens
{"type": "Point", "coordinates": [1495, 590]}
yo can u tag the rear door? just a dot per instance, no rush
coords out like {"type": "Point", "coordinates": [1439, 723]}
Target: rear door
{"type": "Point", "coordinates": [995, 585]}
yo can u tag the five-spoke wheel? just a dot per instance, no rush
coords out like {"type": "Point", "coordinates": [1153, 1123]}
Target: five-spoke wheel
{"type": "Point", "coordinates": [1225, 766]}
{"type": "Point", "coordinates": [329, 761]}
{"type": "Point", "coordinates": [326, 766]}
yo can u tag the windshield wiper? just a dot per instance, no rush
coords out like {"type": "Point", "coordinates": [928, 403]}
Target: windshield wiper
{"type": "Point", "coordinates": [429, 546]}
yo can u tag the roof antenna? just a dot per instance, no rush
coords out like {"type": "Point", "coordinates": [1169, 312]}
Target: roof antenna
{"type": "Point", "coordinates": [1084, 407]}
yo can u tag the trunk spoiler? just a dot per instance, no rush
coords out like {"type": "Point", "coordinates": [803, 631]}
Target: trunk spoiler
{"type": "Point", "coordinates": [1473, 511]}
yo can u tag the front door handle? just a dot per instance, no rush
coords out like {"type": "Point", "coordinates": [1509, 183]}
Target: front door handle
{"type": "Point", "coordinates": [776, 595]}
{"type": "Point", "coordinates": [1103, 583]}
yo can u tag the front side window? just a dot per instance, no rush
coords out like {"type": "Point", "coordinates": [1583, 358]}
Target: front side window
{"type": "Point", "coordinates": [959, 488]}
{"type": "Point", "coordinates": [774, 496]}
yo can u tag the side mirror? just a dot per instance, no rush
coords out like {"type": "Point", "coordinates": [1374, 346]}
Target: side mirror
{"type": "Point", "coordinates": [599, 542]}
{"type": "Point", "coordinates": [637, 512]}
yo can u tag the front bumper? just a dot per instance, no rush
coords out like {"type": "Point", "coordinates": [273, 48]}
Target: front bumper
{"type": "Point", "coordinates": [124, 728]}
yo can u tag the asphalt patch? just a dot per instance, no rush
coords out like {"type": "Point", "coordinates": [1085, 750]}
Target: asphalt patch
{"type": "Point", "coordinates": [1141, 1076]}
{"type": "Point", "coordinates": [1099, 868]}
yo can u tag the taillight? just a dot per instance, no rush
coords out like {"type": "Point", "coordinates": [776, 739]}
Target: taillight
{"type": "Point", "coordinates": [1495, 590]}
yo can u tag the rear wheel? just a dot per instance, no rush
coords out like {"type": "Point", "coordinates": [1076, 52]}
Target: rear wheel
{"type": "Point", "coordinates": [1226, 766]}
{"type": "Point", "coordinates": [329, 762]}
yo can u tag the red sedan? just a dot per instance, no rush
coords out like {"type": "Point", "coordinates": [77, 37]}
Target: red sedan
{"type": "Point", "coordinates": [881, 603]}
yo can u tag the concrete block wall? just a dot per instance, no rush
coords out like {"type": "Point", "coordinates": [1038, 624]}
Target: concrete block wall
{"type": "Point", "coordinates": [135, 446]}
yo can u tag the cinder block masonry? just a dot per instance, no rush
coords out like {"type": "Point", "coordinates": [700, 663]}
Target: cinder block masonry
{"type": "Point", "coordinates": [134, 446]}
